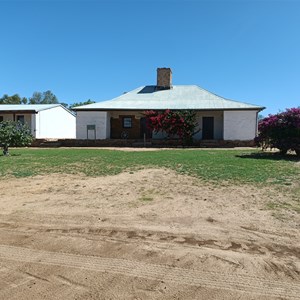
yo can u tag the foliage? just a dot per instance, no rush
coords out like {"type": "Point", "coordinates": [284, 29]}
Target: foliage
{"type": "Point", "coordinates": [37, 98]}
{"type": "Point", "coordinates": [175, 123]}
{"type": "Point", "coordinates": [14, 134]}
{"type": "Point", "coordinates": [66, 105]}
{"type": "Point", "coordinates": [43, 98]}
{"type": "Point", "coordinates": [89, 101]}
{"type": "Point", "coordinates": [260, 117]}
{"type": "Point", "coordinates": [40, 98]}
{"type": "Point", "coordinates": [280, 131]}
{"type": "Point", "coordinates": [14, 99]}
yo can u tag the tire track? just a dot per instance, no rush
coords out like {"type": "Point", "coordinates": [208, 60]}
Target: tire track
{"type": "Point", "coordinates": [189, 240]}
{"type": "Point", "coordinates": [175, 275]}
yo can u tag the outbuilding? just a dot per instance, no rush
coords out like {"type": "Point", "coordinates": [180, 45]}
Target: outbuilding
{"type": "Point", "coordinates": [46, 121]}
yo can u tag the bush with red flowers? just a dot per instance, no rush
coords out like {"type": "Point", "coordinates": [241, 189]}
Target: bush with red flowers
{"type": "Point", "coordinates": [175, 123]}
{"type": "Point", "coordinates": [281, 131]}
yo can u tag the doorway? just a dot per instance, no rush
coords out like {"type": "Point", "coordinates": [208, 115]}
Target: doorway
{"type": "Point", "coordinates": [144, 129]}
{"type": "Point", "coordinates": [208, 128]}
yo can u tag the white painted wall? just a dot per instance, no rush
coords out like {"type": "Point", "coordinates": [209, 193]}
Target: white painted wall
{"type": "Point", "coordinates": [100, 119]}
{"type": "Point", "coordinates": [218, 124]}
{"type": "Point", "coordinates": [32, 125]}
{"type": "Point", "coordinates": [56, 123]}
{"type": "Point", "coordinates": [240, 125]}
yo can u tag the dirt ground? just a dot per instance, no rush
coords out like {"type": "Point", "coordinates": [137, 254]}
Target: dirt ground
{"type": "Point", "coordinates": [149, 234]}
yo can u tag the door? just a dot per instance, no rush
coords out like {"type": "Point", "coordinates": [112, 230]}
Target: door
{"type": "Point", "coordinates": [144, 129]}
{"type": "Point", "coordinates": [208, 128]}
{"type": "Point", "coordinates": [91, 132]}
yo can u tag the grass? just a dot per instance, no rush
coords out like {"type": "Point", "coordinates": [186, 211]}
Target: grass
{"type": "Point", "coordinates": [146, 198]}
{"type": "Point", "coordinates": [147, 195]}
{"type": "Point", "coordinates": [213, 165]}
{"type": "Point", "coordinates": [220, 167]}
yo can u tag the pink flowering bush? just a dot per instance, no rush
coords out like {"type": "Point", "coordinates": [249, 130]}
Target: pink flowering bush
{"type": "Point", "coordinates": [280, 131]}
{"type": "Point", "coordinates": [175, 123]}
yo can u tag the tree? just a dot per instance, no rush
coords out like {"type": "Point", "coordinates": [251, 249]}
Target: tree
{"type": "Point", "coordinates": [179, 123]}
{"type": "Point", "coordinates": [14, 99]}
{"type": "Point", "coordinates": [260, 117]}
{"type": "Point", "coordinates": [281, 131]}
{"type": "Point", "coordinates": [89, 101]}
{"type": "Point", "coordinates": [43, 98]}
{"type": "Point", "coordinates": [66, 105]}
{"type": "Point", "coordinates": [36, 98]}
{"type": "Point", "coordinates": [14, 134]}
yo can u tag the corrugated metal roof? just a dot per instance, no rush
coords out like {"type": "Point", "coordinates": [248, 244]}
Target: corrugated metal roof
{"type": "Point", "coordinates": [26, 107]}
{"type": "Point", "coordinates": [179, 97]}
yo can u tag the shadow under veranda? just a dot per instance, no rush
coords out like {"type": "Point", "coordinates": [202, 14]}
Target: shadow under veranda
{"type": "Point", "coordinates": [270, 156]}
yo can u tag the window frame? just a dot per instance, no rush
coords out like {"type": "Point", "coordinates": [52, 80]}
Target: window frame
{"type": "Point", "coordinates": [21, 116]}
{"type": "Point", "coordinates": [126, 119]}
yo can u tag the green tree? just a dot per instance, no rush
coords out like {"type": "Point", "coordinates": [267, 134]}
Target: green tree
{"type": "Point", "coordinates": [260, 117]}
{"type": "Point", "coordinates": [43, 98]}
{"type": "Point", "coordinates": [66, 105]}
{"type": "Point", "coordinates": [14, 134]}
{"type": "Point", "coordinates": [36, 98]}
{"type": "Point", "coordinates": [14, 99]}
{"type": "Point", "coordinates": [89, 101]}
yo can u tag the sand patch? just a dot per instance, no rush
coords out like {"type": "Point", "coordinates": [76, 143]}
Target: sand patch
{"type": "Point", "coordinates": [149, 234]}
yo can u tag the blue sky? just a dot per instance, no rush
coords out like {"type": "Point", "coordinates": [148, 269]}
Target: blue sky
{"type": "Point", "coordinates": [242, 50]}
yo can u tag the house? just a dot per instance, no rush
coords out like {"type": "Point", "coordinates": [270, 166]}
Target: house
{"type": "Point", "coordinates": [44, 120]}
{"type": "Point", "coordinates": [122, 117]}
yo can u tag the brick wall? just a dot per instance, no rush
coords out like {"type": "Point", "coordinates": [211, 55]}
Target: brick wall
{"type": "Point", "coordinates": [137, 143]}
{"type": "Point", "coordinates": [164, 77]}
{"type": "Point", "coordinates": [117, 128]}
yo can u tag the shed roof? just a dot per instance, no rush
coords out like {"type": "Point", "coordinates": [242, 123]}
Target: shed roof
{"type": "Point", "coordinates": [26, 107]}
{"type": "Point", "coordinates": [30, 108]}
{"type": "Point", "coordinates": [179, 97]}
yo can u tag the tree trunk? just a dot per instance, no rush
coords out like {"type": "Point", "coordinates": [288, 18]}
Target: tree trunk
{"type": "Point", "coordinates": [5, 150]}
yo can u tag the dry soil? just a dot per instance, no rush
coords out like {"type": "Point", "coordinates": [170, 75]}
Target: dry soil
{"type": "Point", "coordinates": [149, 234]}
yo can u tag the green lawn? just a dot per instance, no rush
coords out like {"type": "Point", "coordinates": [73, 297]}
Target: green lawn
{"type": "Point", "coordinates": [239, 166]}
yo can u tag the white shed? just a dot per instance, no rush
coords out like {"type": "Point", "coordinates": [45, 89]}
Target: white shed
{"type": "Point", "coordinates": [45, 120]}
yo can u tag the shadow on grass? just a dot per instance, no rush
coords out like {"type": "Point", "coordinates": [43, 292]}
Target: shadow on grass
{"type": "Point", "coordinates": [18, 154]}
{"type": "Point", "coordinates": [270, 156]}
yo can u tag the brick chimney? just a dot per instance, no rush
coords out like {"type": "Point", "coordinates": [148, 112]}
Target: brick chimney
{"type": "Point", "coordinates": [164, 78]}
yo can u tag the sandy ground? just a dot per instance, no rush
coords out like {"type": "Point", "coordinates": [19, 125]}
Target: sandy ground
{"type": "Point", "coordinates": [149, 234]}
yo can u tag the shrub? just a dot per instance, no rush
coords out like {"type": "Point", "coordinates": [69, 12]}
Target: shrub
{"type": "Point", "coordinates": [280, 131]}
{"type": "Point", "coordinates": [14, 134]}
{"type": "Point", "coordinates": [175, 123]}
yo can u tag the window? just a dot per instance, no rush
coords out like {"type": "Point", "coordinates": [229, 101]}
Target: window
{"type": "Point", "coordinates": [1, 118]}
{"type": "Point", "coordinates": [127, 122]}
{"type": "Point", "coordinates": [21, 119]}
